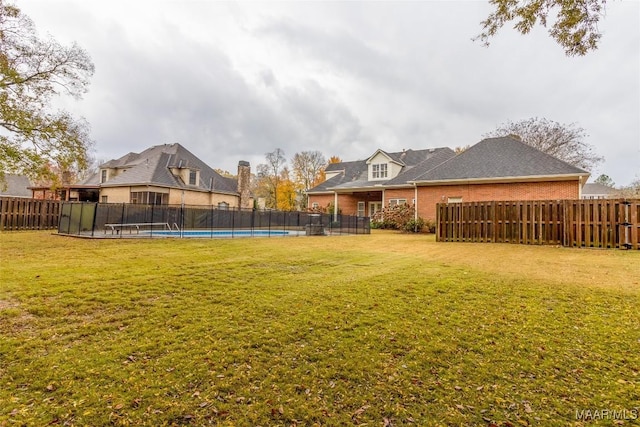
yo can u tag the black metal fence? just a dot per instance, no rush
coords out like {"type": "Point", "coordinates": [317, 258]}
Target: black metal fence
{"type": "Point", "coordinates": [109, 220]}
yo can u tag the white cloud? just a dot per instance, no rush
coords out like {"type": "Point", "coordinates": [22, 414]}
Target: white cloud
{"type": "Point", "coordinates": [234, 80]}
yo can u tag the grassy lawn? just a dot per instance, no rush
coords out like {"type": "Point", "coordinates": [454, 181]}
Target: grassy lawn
{"type": "Point", "coordinates": [379, 330]}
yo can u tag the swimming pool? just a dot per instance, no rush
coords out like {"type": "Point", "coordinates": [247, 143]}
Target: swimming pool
{"type": "Point", "coordinates": [223, 233]}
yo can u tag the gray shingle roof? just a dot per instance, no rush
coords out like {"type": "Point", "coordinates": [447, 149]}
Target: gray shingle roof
{"type": "Point", "coordinates": [152, 167]}
{"type": "Point", "coordinates": [355, 174]}
{"type": "Point", "coordinates": [350, 172]}
{"type": "Point", "coordinates": [15, 186]}
{"type": "Point", "coordinates": [595, 188]}
{"type": "Point", "coordinates": [503, 157]}
{"type": "Point", "coordinates": [434, 158]}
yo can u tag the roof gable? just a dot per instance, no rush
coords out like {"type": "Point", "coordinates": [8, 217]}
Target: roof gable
{"type": "Point", "coordinates": [380, 154]}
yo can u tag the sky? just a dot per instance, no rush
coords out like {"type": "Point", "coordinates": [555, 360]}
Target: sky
{"type": "Point", "coordinates": [235, 80]}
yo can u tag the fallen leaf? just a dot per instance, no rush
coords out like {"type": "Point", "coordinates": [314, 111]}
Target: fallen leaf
{"type": "Point", "coordinates": [360, 410]}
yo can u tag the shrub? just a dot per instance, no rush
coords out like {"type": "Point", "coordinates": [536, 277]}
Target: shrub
{"type": "Point", "coordinates": [401, 217]}
{"type": "Point", "coordinates": [414, 225]}
{"type": "Point", "coordinates": [429, 226]}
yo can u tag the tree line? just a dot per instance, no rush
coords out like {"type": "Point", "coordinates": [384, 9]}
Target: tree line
{"type": "Point", "coordinates": [282, 185]}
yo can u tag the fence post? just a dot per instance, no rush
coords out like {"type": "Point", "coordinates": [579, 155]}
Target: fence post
{"type": "Point", "coordinates": [93, 221]}
{"type": "Point", "coordinates": [438, 222]}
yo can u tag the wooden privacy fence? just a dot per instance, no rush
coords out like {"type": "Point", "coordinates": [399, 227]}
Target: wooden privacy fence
{"type": "Point", "coordinates": [28, 214]}
{"type": "Point", "coordinates": [598, 223]}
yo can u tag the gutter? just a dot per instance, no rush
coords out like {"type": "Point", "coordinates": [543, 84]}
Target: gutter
{"type": "Point", "coordinates": [502, 179]}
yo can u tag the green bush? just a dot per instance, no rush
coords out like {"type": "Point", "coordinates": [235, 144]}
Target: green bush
{"type": "Point", "coordinates": [414, 225]}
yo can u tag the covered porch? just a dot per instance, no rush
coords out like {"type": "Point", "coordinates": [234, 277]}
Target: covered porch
{"type": "Point", "coordinates": [359, 203]}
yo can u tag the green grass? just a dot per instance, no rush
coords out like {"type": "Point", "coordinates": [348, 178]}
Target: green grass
{"type": "Point", "coordinates": [386, 329]}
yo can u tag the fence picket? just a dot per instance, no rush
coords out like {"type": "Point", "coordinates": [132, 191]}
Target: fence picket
{"type": "Point", "coordinates": [28, 214]}
{"type": "Point", "coordinates": [574, 223]}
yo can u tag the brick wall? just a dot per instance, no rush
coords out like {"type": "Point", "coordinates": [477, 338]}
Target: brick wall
{"type": "Point", "coordinates": [323, 200]}
{"type": "Point", "coordinates": [399, 193]}
{"type": "Point", "coordinates": [429, 196]}
{"type": "Point", "coordinates": [347, 203]}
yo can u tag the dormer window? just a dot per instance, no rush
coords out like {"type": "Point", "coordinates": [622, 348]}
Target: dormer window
{"type": "Point", "coordinates": [193, 177]}
{"type": "Point", "coordinates": [379, 171]}
{"type": "Point", "coordinates": [103, 175]}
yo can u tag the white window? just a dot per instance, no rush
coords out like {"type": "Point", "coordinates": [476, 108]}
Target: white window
{"type": "Point", "coordinates": [374, 207]}
{"type": "Point", "coordinates": [454, 199]}
{"type": "Point", "coordinates": [360, 209]}
{"type": "Point", "coordinates": [105, 199]}
{"type": "Point", "coordinates": [103, 175]}
{"type": "Point", "coordinates": [223, 206]}
{"type": "Point", "coordinates": [315, 205]}
{"type": "Point", "coordinates": [379, 171]}
{"type": "Point", "coordinates": [396, 202]}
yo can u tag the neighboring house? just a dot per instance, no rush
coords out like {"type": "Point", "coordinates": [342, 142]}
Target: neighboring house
{"type": "Point", "coordinates": [493, 169]}
{"type": "Point", "coordinates": [85, 191]}
{"type": "Point", "coordinates": [594, 190]}
{"type": "Point", "coordinates": [170, 174]}
{"type": "Point", "coordinates": [12, 185]}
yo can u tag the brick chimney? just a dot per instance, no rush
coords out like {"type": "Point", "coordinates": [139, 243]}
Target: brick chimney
{"type": "Point", "coordinates": [244, 185]}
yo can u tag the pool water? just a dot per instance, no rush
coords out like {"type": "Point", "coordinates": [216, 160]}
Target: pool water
{"type": "Point", "coordinates": [225, 233]}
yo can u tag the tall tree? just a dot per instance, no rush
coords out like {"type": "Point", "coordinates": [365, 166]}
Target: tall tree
{"type": "Point", "coordinates": [575, 27]}
{"type": "Point", "coordinates": [605, 180]}
{"type": "Point", "coordinates": [269, 175]}
{"type": "Point", "coordinates": [307, 170]}
{"type": "Point", "coordinates": [565, 142]}
{"type": "Point", "coordinates": [35, 139]}
{"type": "Point", "coordinates": [307, 166]}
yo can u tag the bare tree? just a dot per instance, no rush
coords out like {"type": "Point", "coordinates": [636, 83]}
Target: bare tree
{"type": "Point", "coordinates": [631, 191]}
{"type": "Point", "coordinates": [269, 175]}
{"type": "Point", "coordinates": [307, 166]}
{"type": "Point", "coordinates": [575, 27]}
{"type": "Point", "coordinates": [565, 142]}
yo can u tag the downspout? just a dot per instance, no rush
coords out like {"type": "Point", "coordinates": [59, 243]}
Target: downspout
{"type": "Point", "coordinates": [415, 204]}
{"type": "Point", "coordinates": [580, 187]}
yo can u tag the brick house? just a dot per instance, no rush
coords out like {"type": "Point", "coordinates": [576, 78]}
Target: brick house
{"type": "Point", "coordinates": [493, 169]}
